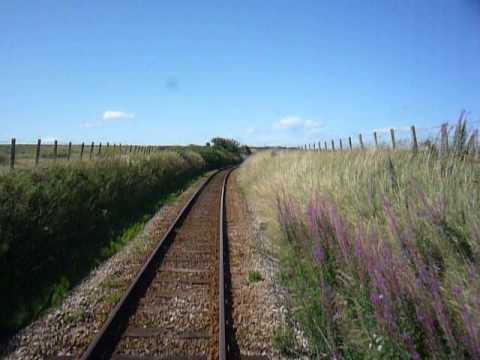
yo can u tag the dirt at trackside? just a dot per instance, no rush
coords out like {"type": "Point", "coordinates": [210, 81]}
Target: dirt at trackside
{"type": "Point", "coordinates": [257, 309]}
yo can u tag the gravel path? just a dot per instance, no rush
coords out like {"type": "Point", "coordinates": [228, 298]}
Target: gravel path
{"type": "Point", "coordinates": [68, 329]}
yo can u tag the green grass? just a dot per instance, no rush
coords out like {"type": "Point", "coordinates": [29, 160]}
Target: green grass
{"type": "Point", "coordinates": [340, 219]}
{"type": "Point", "coordinates": [283, 341]}
{"type": "Point", "coordinates": [3, 159]}
{"type": "Point", "coordinates": [254, 276]}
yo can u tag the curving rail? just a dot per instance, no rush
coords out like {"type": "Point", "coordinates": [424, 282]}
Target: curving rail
{"type": "Point", "coordinates": [103, 345]}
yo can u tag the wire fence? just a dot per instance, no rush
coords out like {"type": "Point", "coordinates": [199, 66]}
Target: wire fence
{"type": "Point", "coordinates": [23, 154]}
{"type": "Point", "coordinates": [410, 138]}
{"type": "Point", "coordinates": [15, 153]}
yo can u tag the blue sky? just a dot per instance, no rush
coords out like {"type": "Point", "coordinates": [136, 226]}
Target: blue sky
{"type": "Point", "coordinates": [263, 72]}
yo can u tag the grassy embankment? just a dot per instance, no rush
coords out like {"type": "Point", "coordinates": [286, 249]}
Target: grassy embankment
{"type": "Point", "coordinates": [379, 250]}
{"type": "Point", "coordinates": [57, 223]}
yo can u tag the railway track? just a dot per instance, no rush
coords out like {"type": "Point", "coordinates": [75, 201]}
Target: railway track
{"type": "Point", "coordinates": [175, 306]}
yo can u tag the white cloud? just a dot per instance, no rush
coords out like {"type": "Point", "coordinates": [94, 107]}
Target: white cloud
{"type": "Point", "coordinates": [251, 130]}
{"type": "Point", "coordinates": [117, 115]}
{"type": "Point", "coordinates": [309, 127]}
{"type": "Point", "coordinates": [289, 122]}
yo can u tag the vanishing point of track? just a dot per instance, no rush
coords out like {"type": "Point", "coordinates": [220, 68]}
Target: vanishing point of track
{"type": "Point", "coordinates": [175, 306]}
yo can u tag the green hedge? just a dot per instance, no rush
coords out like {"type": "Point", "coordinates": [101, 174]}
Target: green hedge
{"type": "Point", "coordinates": [54, 222]}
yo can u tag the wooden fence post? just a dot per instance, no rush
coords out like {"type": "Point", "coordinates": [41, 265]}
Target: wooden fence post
{"type": "Point", "coordinates": [12, 153]}
{"type": "Point", "coordinates": [120, 148]}
{"type": "Point", "coordinates": [99, 148]}
{"type": "Point", "coordinates": [350, 142]}
{"type": "Point", "coordinates": [341, 145]}
{"type": "Point", "coordinates": [37, 153]}
{"type": "Point", "coordinates": [69, 153]}
{"type": "Point", "coordinates": [414, 139]}
{"type": "Point", "coordinates": [325, 144]}
{"type": "Point", "coordinates": [444, 138]}
{"type": "Point", "coordinates": [392, 135]}
{"type": "Point", "coordinates": [81, 151]}
{"type": "Point", "coordinates": [130, 148]}
{"type": "Point", "coordinates": [477, 145]}
{"type": "Point", "coordinates": [319, 146]}
{"type": "Point", "coordinates": [91, 150]}
{"type": "Point", "coordinates": [360, 139]}
{"type": "Point", "coordinates": [376, 140]}
{"type": "Point", "coordinates": [55, 150]}
{"type": "Point", "coordinates": [313, 146]}
{"type": "Point", "coordinates": [333, 145]}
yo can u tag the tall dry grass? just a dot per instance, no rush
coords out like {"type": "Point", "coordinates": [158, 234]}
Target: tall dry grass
{"type": "Point", "coordinates": [379, 249]}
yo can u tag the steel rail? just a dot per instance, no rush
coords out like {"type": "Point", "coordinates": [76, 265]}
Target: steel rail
{"type": "Point", "coordinates": [222, 346]}
{"type": "Point", "coordinates": [100, 346]}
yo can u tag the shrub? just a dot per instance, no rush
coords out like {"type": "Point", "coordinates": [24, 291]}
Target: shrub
{"type": "Point", "coordinates": [229, 145]}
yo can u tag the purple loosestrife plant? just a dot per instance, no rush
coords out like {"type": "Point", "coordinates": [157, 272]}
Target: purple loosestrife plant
{"type": "Point", "coordinates": [427, 284]}
{"type": "Point", "coordinates": [287, 217]}
{"type": "Point", "coordinates": [407, 302]}
{"type": "Point", "coordinates": [469, 299]}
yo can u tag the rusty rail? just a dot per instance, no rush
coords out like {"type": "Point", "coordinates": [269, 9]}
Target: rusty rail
{"type": "Point", "coordinates": [100, 347]}
{"type": "Point", "coordinates": [222, 348]}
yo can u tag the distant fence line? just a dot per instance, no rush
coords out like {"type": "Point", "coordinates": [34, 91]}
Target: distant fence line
{"type": "Point", "coordinates": [83, 151]}
{"type": "Point", "coordinates": [412, 143]}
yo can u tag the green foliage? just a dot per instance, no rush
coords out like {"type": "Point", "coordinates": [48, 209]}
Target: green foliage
{"type": "Point", "coordinates": [57, 223]}
{"type": "Point", "coordinates": [254, 276]}
{"type": "Point", "coordinates": [216, 157]}
{"type": "Point", "coordinates": [246, 150]}
{"type": "Point", "coordinates": [229, 145]}
{"type": "Point", "coordinates": [283, 340]}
